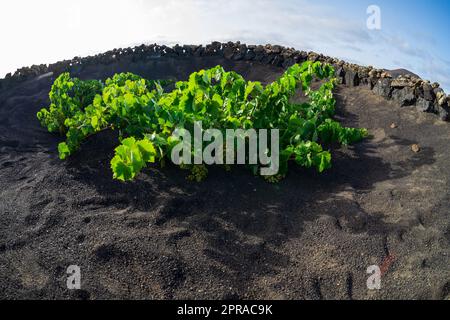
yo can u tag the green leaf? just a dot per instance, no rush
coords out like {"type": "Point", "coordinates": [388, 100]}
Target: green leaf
{"type": "Point", "coordinates": [249, 89]}
{"type": "Point", "coordinates": [121, 171]}
{"type": "Point", "coordinates": [63, 150]}
{"type": "Point", "coordinates": [325, 161]}
{"type": "Point", "coordinates": [147, 150]}
{"type": "Point", "coordinates": [94, 122]}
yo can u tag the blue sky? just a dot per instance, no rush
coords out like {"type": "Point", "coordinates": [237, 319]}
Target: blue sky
{"type": "Point", "coordinates": [414, 34]}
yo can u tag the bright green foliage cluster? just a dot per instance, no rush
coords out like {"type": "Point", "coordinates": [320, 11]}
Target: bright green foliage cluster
{"type": "Point", "coordinates": [68, 97]}
{"type": "Point", "coordinates": [131, 157]}
{"type": "Point", "coordinates": [146, 116]}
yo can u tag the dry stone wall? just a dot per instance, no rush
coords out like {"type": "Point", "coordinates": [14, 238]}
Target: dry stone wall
{"type": "Point", "coordinates": [406, 89]}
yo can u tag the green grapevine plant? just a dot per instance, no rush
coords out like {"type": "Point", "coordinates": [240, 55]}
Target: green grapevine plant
{"type": "Point", "coordinates": [145, 115]}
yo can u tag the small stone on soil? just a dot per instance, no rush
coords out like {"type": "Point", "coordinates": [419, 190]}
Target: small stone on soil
{"type": "Point", "coordinates": [415, 148]}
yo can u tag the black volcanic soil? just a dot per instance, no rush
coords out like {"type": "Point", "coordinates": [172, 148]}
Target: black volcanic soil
{"type": "Point", "coordinates": [232, 236]}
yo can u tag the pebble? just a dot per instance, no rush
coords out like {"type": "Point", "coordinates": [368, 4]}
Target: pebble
{"type": "Point", "coordinates": [415, 148]}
